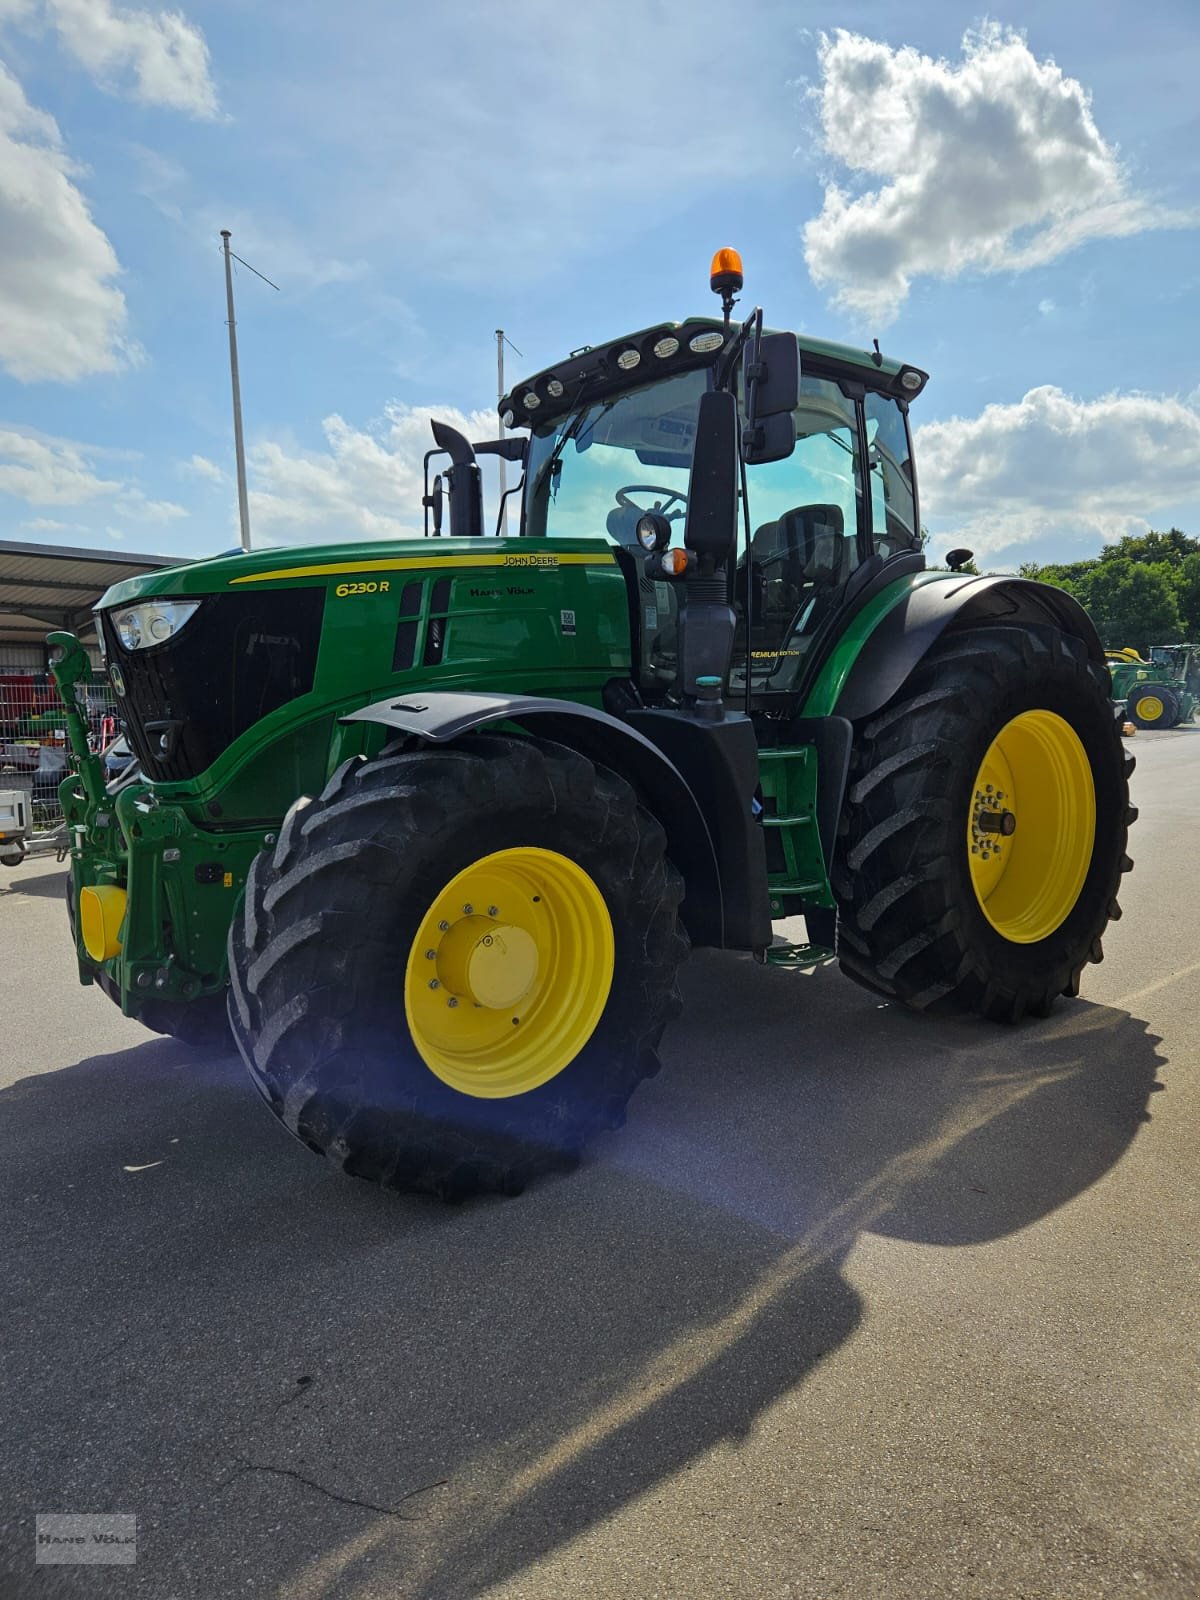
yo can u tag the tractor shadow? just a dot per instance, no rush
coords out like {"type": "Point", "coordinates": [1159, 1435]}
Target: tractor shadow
{"type": "Point", "coordinates": [305, 1386]}
{"type": "Point", "coordinates": [42, 885]}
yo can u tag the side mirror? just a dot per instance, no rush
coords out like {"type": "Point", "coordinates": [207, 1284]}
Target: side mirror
{"type": "Point", "coordinates": [434, 502]}
{"type": "Point", "coordinates": [771, 385]}
{"type": "Point", "coordinates": [713, 485]}
{"type": "Point", "coordinates": [464, 481]}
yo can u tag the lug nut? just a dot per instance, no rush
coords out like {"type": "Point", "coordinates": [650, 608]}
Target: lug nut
{"type": "Point", "coordinates": [467, 910]}
{"type": "Point", "coordinates": [443, 926]}
{"type": "Point", "coordinates": [434, 984]}
{"type": "Point", "coordinates": [493, 911]}
{"type": "Point", "coordinates": [430, 955]}
{"type": "Point", "coordinates": [452, 1002]}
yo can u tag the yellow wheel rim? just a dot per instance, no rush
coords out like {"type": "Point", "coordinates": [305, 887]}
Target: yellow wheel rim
{"type": "Point", "coordinates": [1149, 708]}
{"type": "Point", "coordinates": [1032, 826]}
{"type": "Point", "coordinates": [509, 972]}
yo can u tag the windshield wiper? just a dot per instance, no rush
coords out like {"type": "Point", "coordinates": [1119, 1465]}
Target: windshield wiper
{"type": "Point", "coordinates": [564, 438]}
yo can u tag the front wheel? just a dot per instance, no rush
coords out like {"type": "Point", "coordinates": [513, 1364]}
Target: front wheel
{"type": "Point", "coordinates": [983, 838]}
{"type": "Point", "coordinates": [456, 965]}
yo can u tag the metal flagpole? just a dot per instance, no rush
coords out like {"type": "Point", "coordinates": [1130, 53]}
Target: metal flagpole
{"type": "Point", "coordinates": [503, 463]}
{"type": "Point", "coordinates": [238, 442]}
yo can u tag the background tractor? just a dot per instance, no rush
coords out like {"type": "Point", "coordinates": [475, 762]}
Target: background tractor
{"type": "Point", "coordinates": [437, 819]}
{"type": "Point", "coordinates": [1159, 692]}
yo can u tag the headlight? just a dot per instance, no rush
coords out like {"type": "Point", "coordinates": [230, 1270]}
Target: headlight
{"type": "Point", "coordinates": [153, 622]}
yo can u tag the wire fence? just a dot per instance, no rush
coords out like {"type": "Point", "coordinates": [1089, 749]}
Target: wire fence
{"type": "Point", "coordinates": [34, 753]}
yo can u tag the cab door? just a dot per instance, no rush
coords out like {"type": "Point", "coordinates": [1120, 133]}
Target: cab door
{"type": "Point", "coordinates": [808, 536]}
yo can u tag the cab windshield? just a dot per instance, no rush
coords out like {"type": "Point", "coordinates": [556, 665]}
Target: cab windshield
{"type": "Point", "coordinates": [624, 455]}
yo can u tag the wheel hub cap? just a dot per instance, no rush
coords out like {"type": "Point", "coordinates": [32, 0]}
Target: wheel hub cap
{"type": "Point", "coordinates": [490, 963]}
{"type": "Point", "coordinates": [1031, 826]}
{"type": "Point", "coordinates": [509, 972]}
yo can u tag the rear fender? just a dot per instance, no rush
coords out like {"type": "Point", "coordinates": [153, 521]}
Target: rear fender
{"type": "Point", "coordinates": [907, 629]}
{"type": "Point", "coordinates": [443, 715]}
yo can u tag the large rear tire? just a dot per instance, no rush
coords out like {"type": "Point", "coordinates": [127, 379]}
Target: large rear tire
{"type": "Point", "coordinates": [456, 964]}
{"type": "Point", "coordinates": [984, 833]}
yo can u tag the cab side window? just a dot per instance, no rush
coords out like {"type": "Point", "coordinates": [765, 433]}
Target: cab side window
{"type": "Point", "coordinates": [893, 504]}
{"type": "Point", "coordinates": [804, 519]}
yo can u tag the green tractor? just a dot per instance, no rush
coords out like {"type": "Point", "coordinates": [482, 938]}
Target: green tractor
{"type": "Point", "coordinates": [438, 819]}
{"type": "Point", "coordinates": [1160, 692]}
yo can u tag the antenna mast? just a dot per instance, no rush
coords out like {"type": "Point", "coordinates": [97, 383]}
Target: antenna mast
{"type": "Point", "coordinates": [501, 340]}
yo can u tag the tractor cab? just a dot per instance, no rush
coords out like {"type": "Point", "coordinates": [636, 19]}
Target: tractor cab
{"type": "Point", "coordinates": [824, 502]}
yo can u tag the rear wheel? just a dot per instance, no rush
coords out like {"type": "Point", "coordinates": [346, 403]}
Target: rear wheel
{"type": "Point", "coordinates": [456, 965]}
{"type": "Point", "coordinates": [1153, 705]}
{"type": "Point", "coordinates": [984, 833]}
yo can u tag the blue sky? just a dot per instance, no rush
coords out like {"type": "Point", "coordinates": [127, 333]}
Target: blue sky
{"type": "Point", "coordinates": [1009, 200]}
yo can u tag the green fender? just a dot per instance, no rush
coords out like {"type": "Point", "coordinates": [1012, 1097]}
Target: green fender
{"type": "Point", "coordinates": [884, 642]}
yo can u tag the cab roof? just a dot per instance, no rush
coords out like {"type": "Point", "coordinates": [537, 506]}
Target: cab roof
{"type": "Point", "coordinates": [667, 348]}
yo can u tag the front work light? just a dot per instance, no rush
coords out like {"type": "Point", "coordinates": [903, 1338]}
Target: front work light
{"type": "Point", "coordinates": [701, 343]}
{"type": "Point", "coordinates": [653, 531]}
{"type": "Point", "coordinates": [153, 622]}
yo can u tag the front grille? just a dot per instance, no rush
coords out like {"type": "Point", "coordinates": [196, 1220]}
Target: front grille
{"type": "Point", "coordinates": [239, 658]}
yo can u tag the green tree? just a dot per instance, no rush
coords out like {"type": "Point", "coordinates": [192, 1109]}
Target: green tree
{"type": "Point", "coordinates": [1172, 547]}
{"type": "Point", "coordinates": [1131, 603]}
{"type": "Point", "coordinates": [1187, 595]}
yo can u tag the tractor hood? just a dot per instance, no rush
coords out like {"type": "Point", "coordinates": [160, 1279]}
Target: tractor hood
{"type": "Point", "coordinates": [238, 570]}
{"type": "Point", "coordinates": [200, 655]}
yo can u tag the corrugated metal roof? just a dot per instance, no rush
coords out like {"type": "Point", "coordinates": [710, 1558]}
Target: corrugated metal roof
{"type": "Point", "coordinates": [55, 586]}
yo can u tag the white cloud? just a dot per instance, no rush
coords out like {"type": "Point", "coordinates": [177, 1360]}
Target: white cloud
{"type": "Point", "coordinates": [135, 505]}
{"type": "Point", "coordinates": [991, 164]}
{"type": "Point", "coordinates": [45, 471]}
{"type": "Point", "coordinates": [161, 51]}
{"type": "Point", "coordinates": [202, 467]}
{"type": "Point", "coordinates": [49, 472]}
{"type": "Point", "coordinates": [1054, 465]}
{"type": "Point", "coordinates": [367, 483]}
{"type": "Point", "coordinates": [61, 316]}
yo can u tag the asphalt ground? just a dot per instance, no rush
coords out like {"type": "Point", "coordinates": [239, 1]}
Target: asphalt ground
{"type": "Point", "coordinates": [859, 1304]}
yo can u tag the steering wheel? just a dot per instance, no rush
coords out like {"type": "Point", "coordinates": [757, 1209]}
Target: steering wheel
{"type": "Point", "coordinates": [626, 504]}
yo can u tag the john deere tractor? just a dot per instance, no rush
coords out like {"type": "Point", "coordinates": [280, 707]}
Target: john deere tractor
{"type": "Point", "coordinates": [1159, 692]}
{"type": "Point", "coordinates": [438, 819]}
